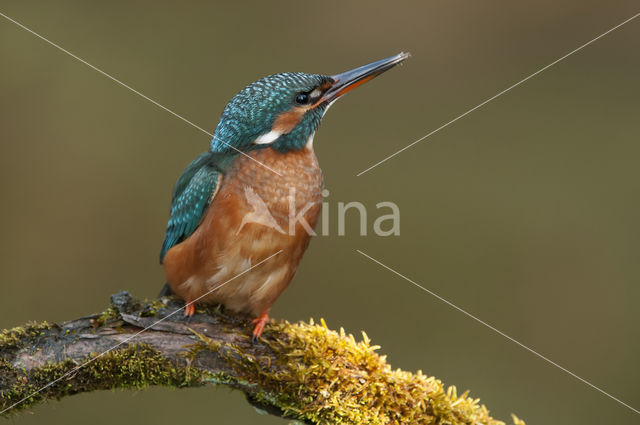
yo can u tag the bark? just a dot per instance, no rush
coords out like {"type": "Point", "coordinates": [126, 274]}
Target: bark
{"type": "Point", "coordinates": [302, 371]}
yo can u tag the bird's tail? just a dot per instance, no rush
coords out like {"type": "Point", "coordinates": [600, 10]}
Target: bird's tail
{"type": "Point", "coordinates": [165, 291]}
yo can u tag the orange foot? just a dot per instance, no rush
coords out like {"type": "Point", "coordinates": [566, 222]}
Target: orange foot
{"type": "Point", "coordinates": [259, 321]}
{"type": "Point", "coordinates": [189, 309]}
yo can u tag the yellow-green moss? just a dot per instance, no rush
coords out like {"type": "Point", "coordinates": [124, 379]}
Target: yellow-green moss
{"type": "Point", "coordinates": [151, 308]}
{"type": "Point", "coordinates": [147, 309]}
{"type": "Point", "coordinates": [107, 316]}
{"type": "Point", "coordinates": [517, 420]}
{"type": "Point", "coordinates": [327, 377]}
{"type": "Point", "coordinates": [22, 335]}
{"type": "Point", "coordinates": [310, 373]}
{"type": "Point", "coordinates": [137, 367]}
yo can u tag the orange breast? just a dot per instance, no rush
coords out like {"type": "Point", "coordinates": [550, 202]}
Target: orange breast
{"type": "Point", "coordinates": [251, 217]}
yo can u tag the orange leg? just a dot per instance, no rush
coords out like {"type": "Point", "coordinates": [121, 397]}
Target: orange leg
{"type": "Point", "coordinates": [259, 321]}
{"type": "Point", "coordinates": [189, 308]}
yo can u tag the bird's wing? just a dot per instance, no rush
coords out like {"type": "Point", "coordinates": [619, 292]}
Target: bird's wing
{"type": "Point", "coordinates": [193, 193]}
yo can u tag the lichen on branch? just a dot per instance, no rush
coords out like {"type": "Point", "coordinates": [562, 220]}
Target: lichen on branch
{"type": "Point", "coordinates": [303, 371]}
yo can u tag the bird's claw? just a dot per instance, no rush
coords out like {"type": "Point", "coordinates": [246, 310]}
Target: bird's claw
{"type": "Point", "coordinates": [260, 322]}
{"type": "Point", "coordinates": [189, 310]}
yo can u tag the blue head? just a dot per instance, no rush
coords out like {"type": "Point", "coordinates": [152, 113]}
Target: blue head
{"type": "Point", "coordinates": [284, 110]}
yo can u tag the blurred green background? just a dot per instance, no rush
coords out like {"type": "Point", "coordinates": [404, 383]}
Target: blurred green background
{"type": "Point", "coordinates": [524, 213]}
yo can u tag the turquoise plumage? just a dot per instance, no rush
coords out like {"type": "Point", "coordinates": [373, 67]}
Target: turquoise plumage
{"type": "Point", "coordinates": [191, 197]}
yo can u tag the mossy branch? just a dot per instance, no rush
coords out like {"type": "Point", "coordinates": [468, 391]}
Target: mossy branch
{"type": "Point", "coordinates": [302, 371]}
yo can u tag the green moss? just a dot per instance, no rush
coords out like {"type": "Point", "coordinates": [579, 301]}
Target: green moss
{"type": "Point", "coordinates": [23, 335]}
{"type": "Point", "coordinates": [109, 315]}
{"type": "Point", "coordinates": [324, 376]}
{"type": "Point", "coordinates": [304, 370]}
{"type": "Point", "coordinates": [152, 308]}
{"type": "Point", "coordinates": [132, 367]}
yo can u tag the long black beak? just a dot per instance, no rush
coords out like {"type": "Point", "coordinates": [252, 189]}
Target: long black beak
{"type": "Point", "coordinates": [346, 81]}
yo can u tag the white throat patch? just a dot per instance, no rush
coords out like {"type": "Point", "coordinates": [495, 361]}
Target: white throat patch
{"type": "Point", "coordinates": [309, 144]}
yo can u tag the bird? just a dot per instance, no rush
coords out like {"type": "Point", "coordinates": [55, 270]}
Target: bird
{"type": "Point", "coordinates": [231, 238]}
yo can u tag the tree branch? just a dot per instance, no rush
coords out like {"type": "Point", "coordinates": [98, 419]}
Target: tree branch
{"type": "Point", "coordinates": [301, 371]}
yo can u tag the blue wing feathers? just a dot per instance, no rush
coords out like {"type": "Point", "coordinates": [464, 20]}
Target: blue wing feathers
{"type": "Point", "coordinates": [191, 197]}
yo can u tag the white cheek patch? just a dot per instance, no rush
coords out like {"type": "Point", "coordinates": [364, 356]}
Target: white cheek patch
{"type": "Point", "coordinates": [269, 137]}
{"type": "Point", "coordinates": [315, 94]}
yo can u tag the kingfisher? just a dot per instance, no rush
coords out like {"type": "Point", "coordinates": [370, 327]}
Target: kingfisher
{"type": "Point", "coordinates": [232, 237]}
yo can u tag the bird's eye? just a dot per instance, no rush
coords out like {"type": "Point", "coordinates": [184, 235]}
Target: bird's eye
{"type": "Point", "coordinates": [302, 98]}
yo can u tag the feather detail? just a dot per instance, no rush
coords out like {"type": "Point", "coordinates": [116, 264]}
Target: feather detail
{"type": "Point", "coordinates": [194, 191]}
